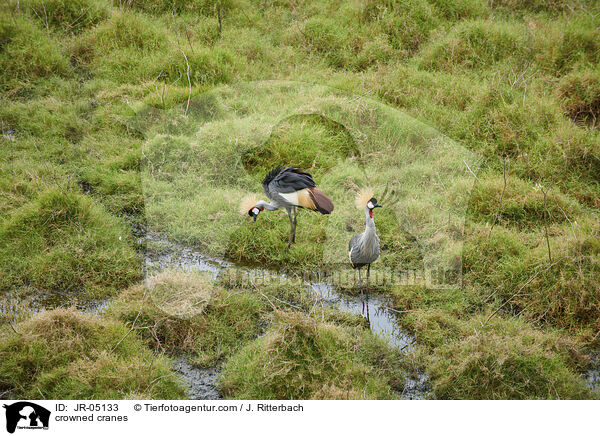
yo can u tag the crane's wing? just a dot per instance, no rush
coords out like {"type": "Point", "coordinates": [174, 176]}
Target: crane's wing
{"type": "Point", "coordinates": [351, 247]}
{"type": "Point", "coordinates": [297, 188]}
{"type": "Point", "coordinates": [287, 180]}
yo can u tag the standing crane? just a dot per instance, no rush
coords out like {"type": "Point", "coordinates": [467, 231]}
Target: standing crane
{"type": "Point", "coordinates": [364, 247]}
{"type": "Point", "coordinates": [288, 188]}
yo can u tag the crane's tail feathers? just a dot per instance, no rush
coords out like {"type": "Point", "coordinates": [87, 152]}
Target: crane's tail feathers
{"type": "Point", "coordinates": [247, 203]}
{"type": "Point", "coordinates": [321, 202]}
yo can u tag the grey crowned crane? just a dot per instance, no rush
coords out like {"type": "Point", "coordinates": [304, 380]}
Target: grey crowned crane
{"type": "Point", "coordinates": [289, 188]}
{"type": "Point", "coordinates": [364, 247]}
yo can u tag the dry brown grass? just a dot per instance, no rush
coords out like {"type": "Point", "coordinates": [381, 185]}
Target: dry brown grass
{"type": "Point", "coordinates": [66, 354]}
{"type": "Point", "coordinates": [184, 312]}
{"type": "Point", "coordinates": [180, 294]}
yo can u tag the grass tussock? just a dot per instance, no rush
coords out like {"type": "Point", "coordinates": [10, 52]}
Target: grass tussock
{"type": "Point", "coordinates": [553, 6]}
{"type": "Point", "coordinates": [522, 204]}
{"type": "Point", "coordinates": [139, 49]}
{"type": "Point", "coordinates": [27, 53]}
{"type": "Point", "coordinates": [518, 274]}
{"type": "Point", "coordinates": [205, 7]}
{"type": "Point", "coordinates": [324, 143]}
{"type": "Point", "coordinates": [185, 312]}
{"type": "Point", "coordinates": [180, 294]}
{"type": "Point", "coordinates": [580, 94]}
{"type": "Point", "coordinates": [474, 45]}
{"type": "Point", "coordinates": [63, 15]}
{"type": "Point", "coordinates": [501, 359]}
{"type": "Point", "coordinates": [64, 241]}
{"type": "Point", "coordinates": [512, 81]}
{"type": "Point", "coordinates": [482, 43]}
{"type": "Point", "coordinates": [505, 360]}
{"type": "Point", "coordinates": [486, 355]}
{"type": "Point", "coordinates": [64, 354]}
{"type": "Point", "coordinates": [304, 358]}
{"type": "Point", "coordinates": [266, 242]}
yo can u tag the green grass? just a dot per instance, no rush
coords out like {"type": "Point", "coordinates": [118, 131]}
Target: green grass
{"type": "Point", "coordinates": [27, 53]}
{"type": "Point", "coordinates": [65, 354]}
{"type": "Point", "coordinates": [138, 49]}
{"type": "Point", "coordinates": [187, 313]}
{"type": "Point", "coordinates": [563, 293]}
{"type": "Point", "coordinates": [62, 15]}
{"type": "Point", "coordinates": [379, 146]}
{"type": "Point", "coordinates": [580, 92]}
{"type": "Point", "coordinates": [63, 241]}
{"type": "Point", "coordinates": [94, 138]}
{"type": "Point", "coordinates": [522, 204]}
{"type": "Point", "coordinates": [305, 358]}
{"type": "Point", "coordinates": [483, 357]}
{"type": "Point", "coordinates": [324, 143]}
{"type": "Point", "coordinates": [505, 360]}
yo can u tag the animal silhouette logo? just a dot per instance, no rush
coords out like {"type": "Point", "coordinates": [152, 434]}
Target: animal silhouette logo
{"type": "Point", "coordinates": [24, 414]}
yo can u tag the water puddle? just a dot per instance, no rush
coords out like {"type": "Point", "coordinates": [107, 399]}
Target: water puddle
{"type": "Point", "coordinates": [33, 301]}
{"type": "Point", "coordinates": [593, 373]}
{"type": "Point", "coordinates": [376, 307]}
{"type": "Point", "coordinates": [202, 384]}
{"type": "Point", "coordinates": [167, 254]}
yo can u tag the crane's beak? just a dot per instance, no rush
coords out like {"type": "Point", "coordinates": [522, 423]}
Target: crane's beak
{"type": "Point", "coordinates": [254, 213]}
{"type": "Point", "coordinates": [377, 205]}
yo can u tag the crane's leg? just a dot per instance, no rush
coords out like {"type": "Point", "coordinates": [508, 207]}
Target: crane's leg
{"type": "Point", "coordinates": [361, 289]}
{"type": "Point", "coordinates": [367, 292]}
{"type": "Point", "coordinates": [365, 304]}
{"type": "Point", "coordinates": [292, 227]}
{"type": "Point", "coordinates": [294, 233]}
{"type": "Point", "coordinates": [368, 274]}
{"type": "Point", "coordinates": [360, 281]}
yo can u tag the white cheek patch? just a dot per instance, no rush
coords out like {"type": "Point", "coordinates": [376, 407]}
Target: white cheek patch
{"type": "Point", "coordinates": [255, 211]}
{"type": "Point", "coordinates": [370, 205]}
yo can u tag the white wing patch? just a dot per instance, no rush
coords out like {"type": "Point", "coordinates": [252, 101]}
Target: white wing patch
{"type": "Point", "coordinates": [291, 197]}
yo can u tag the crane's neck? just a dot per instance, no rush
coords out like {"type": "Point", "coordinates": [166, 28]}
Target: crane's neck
{"type": "Point", "coordinates": [370, 230]}
{"type": "Point", "coordinates": [266, 205]}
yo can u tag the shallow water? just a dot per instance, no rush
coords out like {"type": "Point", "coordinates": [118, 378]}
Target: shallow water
{"type": "Point", "coordinates": [202, 384]}
{"type": "Point", "coordinates": [376, 307]}
{"type": "Point", "coordinates": [177, 256]}
{"type": "Point", "coordinates": [593, 372]}
{"type": "Point", "coordinates": [37, 300]}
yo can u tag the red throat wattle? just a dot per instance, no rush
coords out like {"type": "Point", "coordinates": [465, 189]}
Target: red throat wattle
{"type": "Point", "coordinates": [371, 213]}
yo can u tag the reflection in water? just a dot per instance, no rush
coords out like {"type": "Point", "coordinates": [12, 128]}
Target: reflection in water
{"type": "Point", "coordinates": [373, 307]}
{"type": "Point", "coordinates": [14, 302]}
{"type": "Point", "coordinates": [382, 320]}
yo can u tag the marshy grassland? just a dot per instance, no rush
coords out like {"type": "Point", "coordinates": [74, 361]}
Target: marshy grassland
{"type": "Point", "coordinates": [479, 120]}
